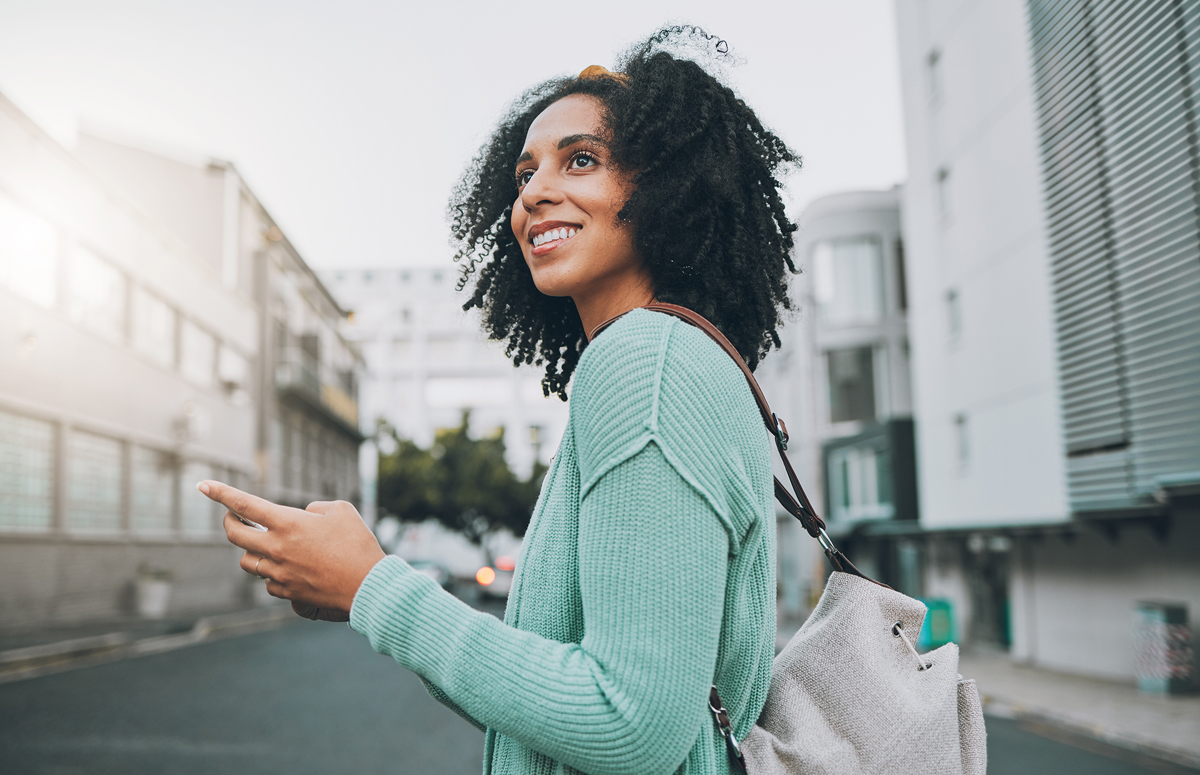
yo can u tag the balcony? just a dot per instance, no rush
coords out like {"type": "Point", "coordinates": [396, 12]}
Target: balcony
{"type": "Point", "coordinates": [300, 377]}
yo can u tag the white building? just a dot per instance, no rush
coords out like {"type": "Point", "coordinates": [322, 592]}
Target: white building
{"type": "Point", "coordinates": [125, 377]}
{"type": "Point", "coordinates": [1054, 287]}
{"type": "Point", "coordinates": [305, 424]}
{"type": "Point", "coordinates": [427, 362]}
{"type": "Point", "coordinates": [841, 382]}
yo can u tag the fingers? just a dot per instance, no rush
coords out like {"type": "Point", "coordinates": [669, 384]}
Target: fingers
{"type": "Point", "coordinates": [320, 507]}
{"type": "Point", "coordinates": [245, 537]}
{"type": "Point", "coordinates": [249, 506]}
{"type": "Point", "coordinates": [318, 614]}
{"type": "Point", "coordinates": [255, 565]}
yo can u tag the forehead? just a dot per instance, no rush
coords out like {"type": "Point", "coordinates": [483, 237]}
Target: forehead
{"type": "Point", "coordinates": [575, 114]}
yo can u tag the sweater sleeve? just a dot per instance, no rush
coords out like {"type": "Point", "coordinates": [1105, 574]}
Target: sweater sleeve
{"type": "Point", "coordinates": [631, 696]}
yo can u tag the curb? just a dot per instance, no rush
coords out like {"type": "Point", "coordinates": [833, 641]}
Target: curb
{"type": "Point", "coordinates": [1079, 728]}
{"type": "Point", "coordinates": [33, 661]}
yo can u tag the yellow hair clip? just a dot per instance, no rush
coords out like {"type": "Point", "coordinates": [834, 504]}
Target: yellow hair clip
{"type": "Point", "coordinates": [594, 72]}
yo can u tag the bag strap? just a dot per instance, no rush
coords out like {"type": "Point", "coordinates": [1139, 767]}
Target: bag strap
{"type": "Point", "coordinates": [797, 505]}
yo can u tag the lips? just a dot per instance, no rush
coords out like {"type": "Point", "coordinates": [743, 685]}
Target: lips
{"type": "Point", "coordinates": [547, 236]}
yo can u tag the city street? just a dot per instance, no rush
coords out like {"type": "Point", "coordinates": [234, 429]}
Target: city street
{"type": "Point", "coordinates": [313, 698]}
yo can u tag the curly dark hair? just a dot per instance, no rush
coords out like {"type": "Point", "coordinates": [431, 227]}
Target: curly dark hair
{"type": "Point", "coordinates": [706, 212]}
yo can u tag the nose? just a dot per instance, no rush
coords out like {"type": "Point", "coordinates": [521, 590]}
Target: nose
{"type": "Point", "coordinates": [540, 190]}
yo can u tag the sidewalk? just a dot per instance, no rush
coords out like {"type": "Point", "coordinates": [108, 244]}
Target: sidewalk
{"type": "Point", "coordinates": [1165, 727]}
{"type": "Point", "coordinates": [32, 652]}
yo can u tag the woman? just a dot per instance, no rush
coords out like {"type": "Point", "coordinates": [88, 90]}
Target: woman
{"type": "Point", "coordinates": [647, 572]}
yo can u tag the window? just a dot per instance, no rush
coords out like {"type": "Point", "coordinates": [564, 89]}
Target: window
{"type": "Point", "coordinates": [953, 312]}
{"type": "Point", "coordinates": [961, 440]}
{"type": "Point", "coordinates": [942, 186]}
{"type": "Point", "coordinates": [860, 483]}
{"type": "Point", "coordinates": [933, 76]}
{"type": "Point", "coordinates": [153, 487]}
{"type": "Point", "coordinates": [93, 483]}
{"type": "Point", "coordinates": [851, 384]}
{"type": "Point", "coordinates": [26, 473]}
{"type": "Point", "coordinates": [97, 295]}
{"type": "Point", "coordinates": [197, 514]}
{"type": "Point", "coordinates": [197, 353]}
{"type": "Point", "coordinates": [848, 281]}
{"type": "Point", "coordinates": [153, 327]}
{"type": "Point", "coordinates": [28, 248]}
{"type": "Point", "coordinates": [233, 370]}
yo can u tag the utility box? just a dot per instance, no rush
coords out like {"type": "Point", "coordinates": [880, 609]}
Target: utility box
{"type": "Point", "coordinates": [1163, 648]}
{"type": "Point", "coordinates": [938, 628]}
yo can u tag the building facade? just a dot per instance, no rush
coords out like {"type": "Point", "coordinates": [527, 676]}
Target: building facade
{"type": "Point", "coordinates": [160, 330]}
{"type": "Point", "coordinates": [1052, 223]}
{"type": "Point", "coordinates": [126, 375]}
{"type": "Point", "coordinates": [841, 381]}
{"type": "Point", "coordinates": [305, 433]}
{"type": "Point", "coordinates": [427, 362]}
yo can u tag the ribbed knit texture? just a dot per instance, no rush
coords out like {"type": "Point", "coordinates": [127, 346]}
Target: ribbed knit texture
{"type": "Point", "coordinates": [648, 570]}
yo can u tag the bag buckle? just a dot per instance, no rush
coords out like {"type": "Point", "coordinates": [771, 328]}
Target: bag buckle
{"type": "Point", "coordinates": [721, 719]}
{"type": "Point", "coordinates": [780, 430]}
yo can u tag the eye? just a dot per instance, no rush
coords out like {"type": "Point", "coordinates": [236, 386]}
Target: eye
{"type": "Point", "coordinates": [523, 177]}
{"type": "Point", "coordinates": [582, 160]}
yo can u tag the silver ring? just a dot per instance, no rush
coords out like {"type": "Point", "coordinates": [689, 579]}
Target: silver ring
{"type": "Point", "coordinates": [256, 573]}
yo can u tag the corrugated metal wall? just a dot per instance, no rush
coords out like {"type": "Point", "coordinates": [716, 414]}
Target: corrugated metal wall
{"type": "Point", "coordinates": [1117, 106]}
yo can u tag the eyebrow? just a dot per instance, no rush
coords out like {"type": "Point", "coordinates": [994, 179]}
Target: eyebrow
{"type": "Point", "coordinates": [569, 140]}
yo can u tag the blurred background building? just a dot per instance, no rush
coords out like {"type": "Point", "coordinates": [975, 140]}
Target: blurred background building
{"type": "Point", "coordinates": [305, 427]}
{"type": "Point", "coordinates": [1053, 264]}
{"type": "Point", "coordinates": [161, 330]}
{"type": "Point", "coordinates": [427, 362]}
{"type": "Point", "coordinates": [841, 382]}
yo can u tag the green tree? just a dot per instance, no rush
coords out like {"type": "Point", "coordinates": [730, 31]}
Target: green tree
{"type": "Point", "coordinates": [462, 482]}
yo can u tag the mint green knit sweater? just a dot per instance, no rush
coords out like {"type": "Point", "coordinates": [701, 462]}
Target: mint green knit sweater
{"type": "Point", "coordinates": [648, 573]}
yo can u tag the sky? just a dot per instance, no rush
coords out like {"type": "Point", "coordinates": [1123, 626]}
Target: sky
{"type": "Point", "coordinates": [351, 121]}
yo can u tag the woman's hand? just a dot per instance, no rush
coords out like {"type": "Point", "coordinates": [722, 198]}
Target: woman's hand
{"type": "Point", "coordinates": [317, 558]}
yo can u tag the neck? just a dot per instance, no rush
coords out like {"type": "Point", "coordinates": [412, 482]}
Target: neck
{"type": "Point", "coordinates": [594, 311]}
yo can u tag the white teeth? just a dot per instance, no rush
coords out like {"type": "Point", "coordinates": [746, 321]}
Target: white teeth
{"type": "Point", "coordinates": [552, 235]}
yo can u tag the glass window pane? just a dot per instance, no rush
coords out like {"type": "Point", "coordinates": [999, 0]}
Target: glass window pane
{"type": "Point", "coordinates": [848, 281]}
{"type": "Point", "coordinates": [93, 483]}
{"type": "Point", "coordinates": [26, 473]}
{"type": "Point", "coordinates": [153, 487]}
{"type": "Point", "coordinates": [232, 369]}
{"type": "Point", "coordinates": [97, 295]}
{"type": "Point", "coordinates": [197, 354]}
{"type": "Point", "coordinates": [28, 248]}
{"type": "Point", "coordinates": [153, 327]}
{"type": "Point", "coordinates": [197, 514]}
{"type": "Point", "coordinates": [851, 384]}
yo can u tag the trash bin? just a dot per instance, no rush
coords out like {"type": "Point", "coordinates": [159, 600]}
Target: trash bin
{"type": "Point", "coordinates": [938, 628]}
{"type": "Point", "coordinates": [1163, 648]}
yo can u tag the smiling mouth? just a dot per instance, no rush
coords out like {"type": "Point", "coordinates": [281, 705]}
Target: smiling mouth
{"type": "Point", "coordinates": [553, 238]}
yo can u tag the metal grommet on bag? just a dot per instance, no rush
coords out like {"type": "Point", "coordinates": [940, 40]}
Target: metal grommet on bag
{"type": "Point", "coordinates": [898, 632]}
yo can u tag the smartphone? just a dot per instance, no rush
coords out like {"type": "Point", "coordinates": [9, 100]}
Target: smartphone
{"type": "Point", "coordinates": [248, 523]}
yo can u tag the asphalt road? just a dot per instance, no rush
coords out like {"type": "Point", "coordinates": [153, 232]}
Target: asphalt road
{"type": "Point", "coordinates": [314, 699]}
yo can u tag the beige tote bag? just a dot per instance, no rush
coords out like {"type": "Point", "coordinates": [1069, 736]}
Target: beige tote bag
{"type": "Point", "coordinates": [849, 693]}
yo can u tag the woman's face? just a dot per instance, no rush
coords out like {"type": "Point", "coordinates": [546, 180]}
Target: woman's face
{"type": "Point", "coordinates": [565, 217]}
